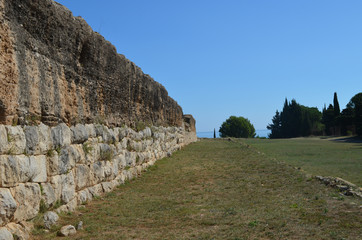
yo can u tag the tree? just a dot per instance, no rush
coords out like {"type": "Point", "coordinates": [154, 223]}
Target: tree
{"type": "Point", "coordinates": [337, 110]}
{"type": "Point", "coordinates": [295, 120]}
{"type": "Point", "coordinates": [275, 126]}
{"type": "Point", "coordinates": [328, 119]}
{"type": "Point", "coordinates": [238, 127]}
{"type": "Point", "coordinates": [356, 105]}
{"type": "Point", "coordinates": [214, 133]}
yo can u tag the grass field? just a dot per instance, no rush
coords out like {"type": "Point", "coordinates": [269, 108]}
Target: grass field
{"type": "Point", "coordinates": [216, 189]}
{"type": "Point", "coordinates": [325, 157]}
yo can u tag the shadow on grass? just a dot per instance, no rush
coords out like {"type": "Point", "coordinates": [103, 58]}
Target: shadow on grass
{"type": "Point", "coordinates": [347, 139]}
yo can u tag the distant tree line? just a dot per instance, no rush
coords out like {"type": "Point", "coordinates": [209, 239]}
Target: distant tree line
{"type": "Point", "coordinates": [296, 120]}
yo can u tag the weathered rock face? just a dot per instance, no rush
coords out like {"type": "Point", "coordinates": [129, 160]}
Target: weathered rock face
{"type": "Point", "coordinates": [55, 69]}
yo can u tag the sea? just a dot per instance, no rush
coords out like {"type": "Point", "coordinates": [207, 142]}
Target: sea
{"type": "Point", "coordinates": [260, 133]}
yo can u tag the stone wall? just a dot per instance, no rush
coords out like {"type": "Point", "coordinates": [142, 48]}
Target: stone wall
{"type": "Point", "coordinates": [65, 92]}
{"type": "Point", "coordinates": [59, 167]}
{"type": "Point", "coordinates": [55, 68]}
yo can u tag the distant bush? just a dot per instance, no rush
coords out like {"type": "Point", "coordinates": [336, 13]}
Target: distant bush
{"type": "Point", "coordinates": [237, 127]}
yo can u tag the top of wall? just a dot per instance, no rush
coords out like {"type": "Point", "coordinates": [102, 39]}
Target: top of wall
{"type": "Point", "coordinates": [55, 68]}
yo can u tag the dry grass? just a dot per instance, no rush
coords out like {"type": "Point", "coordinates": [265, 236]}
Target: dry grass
{"type": "Point", "coordinates": [215, 189]}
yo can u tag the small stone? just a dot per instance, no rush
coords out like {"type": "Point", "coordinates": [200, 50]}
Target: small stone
{"type": "Point", "coordinates": [50, 219]}
{"type": "Point", "coordinates": [80, 225]}
{"type": "Point", "coordinates": [67, 230]}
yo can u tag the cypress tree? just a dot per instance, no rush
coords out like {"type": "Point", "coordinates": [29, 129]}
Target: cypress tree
{"type": "Point", "coordinates": [214, 133]}
{"type": "Point", "coordinates": [337, 110]}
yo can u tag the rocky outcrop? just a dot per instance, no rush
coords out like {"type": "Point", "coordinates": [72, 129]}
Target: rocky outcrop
{"type": "Point", "coordinates": [55, 69]}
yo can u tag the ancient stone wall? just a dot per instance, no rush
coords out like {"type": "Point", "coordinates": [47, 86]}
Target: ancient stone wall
{"type": "Point", "coordinates": [66, 99]}
{"type": "Point", "coordinates": [59, 167]}
{"type": "Point", "coordinates": [55, 69]}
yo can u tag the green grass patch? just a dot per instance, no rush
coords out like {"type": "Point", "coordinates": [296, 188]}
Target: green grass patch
{"type": "Point", "coordinates": [216, 189]}
{"type": "Point", "coordinates": [325, 157]}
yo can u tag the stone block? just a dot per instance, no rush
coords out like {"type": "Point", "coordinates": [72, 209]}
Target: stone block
{"type": "Point", "coordinates": [107, 186]}
{"type": "Point", "coordinates": [147, 133]}
{"type": "Point", "coordinates": [91, 130]}
{"type": "Point", "coordinates": [4, 144]}
{"type": "Point", "coordinates": [67, 187]}
{"type": "Point", "coordinates": [20, 169]}
{"type": "Point", "coordinates": [28, 198]}
{"type": "Point", "coordinates": [79, 133]}
{"type": "Point", "coordinates": [37, 139]}
{"type": "Point", "coordinates": [50, 218]}
{"type": "Point", "coordinates": [83, 177]}
{"type": "Point", "coordinates": [7, 205]}
{"type": "Point", "coordinates": [18, 231]}
{"type": "Point", "coordinates": [67, 159]}
{"type": "Point", "coordinates": [5, 234]}
{"type": "Point", "coordinates": [96, 190]}
{"type": "Point", "coordinates": [48, 194]}
{"type": "Point", "coordinates": [38, 168]}
{"type": "Point", "coordinates": [84, 196]}
{"type": "Point", "coordinates": [61, 135]}
{"type": "Point", "coordinates": [93, 153]}
{"type": "Point", "coordinates": [16, 139]}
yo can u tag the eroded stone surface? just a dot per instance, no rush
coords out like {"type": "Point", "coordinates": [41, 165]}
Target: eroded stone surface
{"type": "Point", "coordinates": [7, 206]}
{"type": "Point", "coordinates": [28, 198]}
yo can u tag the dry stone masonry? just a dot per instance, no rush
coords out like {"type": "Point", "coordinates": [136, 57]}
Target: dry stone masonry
{"type": "Point", "coordinates": [68, 106]}
{"type": "Point", "coordinates": [63, 167]}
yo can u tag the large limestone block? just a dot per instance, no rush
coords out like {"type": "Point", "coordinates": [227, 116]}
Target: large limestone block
{"type": "Point", "coordinates": [91, 130]}
{"type": "Point", "coordinates": [123, 132]}
{"type": "Point", "coordinates": [28, 198]}
{"type": "Point", "coordinates": [96, 190]}
{"type": "Point", "coordinates": [56, 183]}
{"type": "Point", "coordinates": [53, 163]}
{"type": "Point", "coordinates": [93, 153]}
{"type": "Point", "coordinates": [67, 187]}
{"type": "Point", "coordinates": [84, 196]}
{"type": "Point", "coordinates": [105, 133]}
{"type": "Point", "coordinates": [147, 133]}
{"type": "Point", "coordinates": [16, 139]}
{"type": "Point", "coordinates": [7, 206]}
{"type": "Point", "coordinates": [20, 169]}
{"type": "Point", "coordinates": [38, 140]}
{"type": "Point", "coordinates": [83, 177]}
{"type": "Point", "coordinates": [48, 194]}
{"type": "Point", "coordinates": [63, 187]}
{"type": "Point", "coordinates": [5, 234]}
{"type": "Point", "coordinates": [67, 159]}
{"type": "Point", "coordinates": [18, 231]}
{"type": "Point", "coordinates": [61, 135]}
{"type": "Point", "coordinates": [38, 168]}
{"type": "Point", "coordinates": [4, 144]}
{"type": "Point", "coordinates": [101, 170]}
{"type": "Point", "coordinates": [79, 133]}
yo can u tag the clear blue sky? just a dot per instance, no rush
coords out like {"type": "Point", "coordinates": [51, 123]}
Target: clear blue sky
{"type": "Point", "coordinates": [237, 57]}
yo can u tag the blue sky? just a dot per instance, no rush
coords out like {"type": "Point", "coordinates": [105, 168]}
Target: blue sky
{"type": "Point", "coordinates": [242, 58]}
